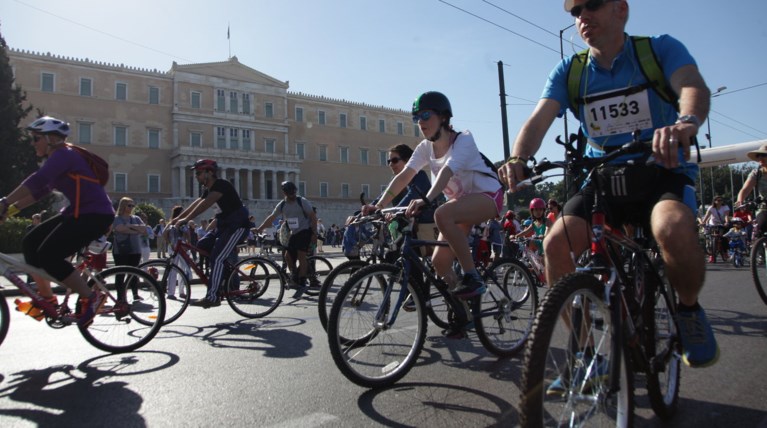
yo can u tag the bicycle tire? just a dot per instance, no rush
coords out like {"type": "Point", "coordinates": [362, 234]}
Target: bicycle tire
{"type": "Point", "coordinates": [368, 351]}
{"type": "Point", "coordinates": [319, 269]}
{"type": "Point", "coordinates": [758, 266]}
{"type": "Point", "coordinates": [333, 282]}
{"type": "Point", "coordinates": [507, 308]}
{"type": "Point", "coordinates": [551, 355]}
{"type": "Point", "coordinates": [165, 272]}
{"type": "Point", "coordinates": [437, 309]}
{"type": "Point", "coordinates": [263, 288]}
{"type": "Point", "coordinates": [662, 347]}
{"type": "Point", "coordinates": [5, 318]}
{"type": "Point", "coordinates": [112, 329]}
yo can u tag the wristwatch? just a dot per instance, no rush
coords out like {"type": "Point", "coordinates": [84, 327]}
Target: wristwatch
{"type": "Point", "coordinates": [689, 118]}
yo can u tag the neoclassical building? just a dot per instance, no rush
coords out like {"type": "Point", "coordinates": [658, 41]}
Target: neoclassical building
{"type": "Point", "coordinates": [152, 125]}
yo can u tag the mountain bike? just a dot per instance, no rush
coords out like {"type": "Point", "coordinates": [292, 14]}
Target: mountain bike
{"type": "Point", "coordinates": [119, 326]}
{"type": "Point", "coordinates": [375, 341]}
{"type": "Point", "coordinates": [595, 328]}
{"type": "Point", "coordinates": [758, 256]}
{"type": "Point", "coordinates": [253, 287]}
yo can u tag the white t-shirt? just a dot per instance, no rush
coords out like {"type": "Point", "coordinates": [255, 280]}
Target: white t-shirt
{"type": "Point", "coordinates": [718, 216]}
{"type": "Point", "coordinates": [464, 160]}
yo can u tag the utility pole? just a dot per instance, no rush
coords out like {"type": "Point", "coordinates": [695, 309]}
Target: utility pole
{"type": "Point", "coordinates": [504, 120]}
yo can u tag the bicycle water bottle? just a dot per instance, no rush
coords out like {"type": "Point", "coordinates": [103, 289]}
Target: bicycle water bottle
{"type": "Point", "coordinates": [29, 309]}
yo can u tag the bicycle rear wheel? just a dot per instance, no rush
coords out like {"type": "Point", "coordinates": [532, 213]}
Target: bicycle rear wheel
{"type": "Point", "coordinates": [121, 326]}
{"type": "Point", "coordinates": [507, 309]}
{"type": "Point", "coordinates": [255, 287]}
{"type": "Point", "coordinates": [5, 318]}
{"type": "Point", "coordinates": [569, 358]}
{"type": "Point", "coordinates": [372, 341]}
{"type": "Point", "coordinates": [759, 266]}
{"type": "Point", "coordinates": [333, 282]}
{"type": "Point", "coordinates": [319, 269]}
{"type": "Point", "coordinates": [174, 284]}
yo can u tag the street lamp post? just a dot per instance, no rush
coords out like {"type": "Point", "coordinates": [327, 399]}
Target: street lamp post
{"type": "Point", "coordinates": [708, 137]}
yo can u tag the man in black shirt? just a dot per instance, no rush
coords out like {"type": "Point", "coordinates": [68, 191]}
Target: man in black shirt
{"type": "Point", "coordinates": [231, 224]}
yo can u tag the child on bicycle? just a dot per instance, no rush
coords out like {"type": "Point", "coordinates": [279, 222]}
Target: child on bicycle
{"type": "Point", "coordinates": [88, 216]}
{"type": "Point", "coordinates": [539, 225]}
{"type": "Point", "coordinates": [474, 195]}
{"type": "Point", "coordinates": [737, 235]}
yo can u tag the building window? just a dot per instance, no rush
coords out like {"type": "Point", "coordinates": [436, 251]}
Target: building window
{"type": "Point", "coordinates": [220, 100]}
{"type": "Point", "coordinates": [153, 138]}
{"type": "Point", "coordinates": [364, 156]}
{"type": "Point", "coordinates": [84, 135]}
{"type": "Point", "coordinates": [345, 191]}
{"type": "Point", "coordinates": [381, 125]}
{"type": "Point", "coordinates": [121, 91]}
{"type": "Point", "coordinates": [344, 155]}
{"type": "Point", "coordinates": [121, 182]}
{"type": "Point", "coordinates": [300, 150]}
{"type": "Point", "coordinates": [86, 87]}
{"type": "Point", "coordinates": [342, 120]}
{"type": "Point", "coordinates": [153, 181]}
{"type": "Point", "coordinates": [233, 107]}
{"type": "Point", "coordinates": [154, 95]}
{"type": "Point", "coordinates": [269, 110]}
{"type": "Point", "coordinates": [234, 138]}
{"type": "Point", "coordinates": [299, 114]}
{"type": "Point", "coordinates": [382, 157]}
{"type": "Point", "coordinates": [246, 139]}
{"type": "Point", "coordinates": [321, 117]}
{"type": "Point", "coordinates": [366, 190]}
{"type": "Point", "coordinates": [323, 153]}
{"type": "Point", "coordinates": [121, 136]}
{"type": "Point", "coordinates": [416, 131]}
{"type": "Point", "coordinates": [323, 190]}
{"type": "Point", "coordinates": [220, 137]}
{"type": "Point", "coordinates": [196, 97]}
{"type": "Point", "coordinates": [302, 188]}
{"type": "Point", "coordinates": [245, 103]}
{"type": "Point", "coordinates": [47, 82]}
{"type": "Point", "coordinates": [363, 123]}
{"type": "Point", "coordinates": [269, 145]}
{"type": "Point", "coordinates": [400, 128]}
{"type": "Point", "coordinates": [195, 139]}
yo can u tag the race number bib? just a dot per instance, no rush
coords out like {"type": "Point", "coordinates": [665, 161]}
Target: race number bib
{"type": "Point", "coordinates": [621, 114]}
{"type": "Point", "coordinates": [293, 223]}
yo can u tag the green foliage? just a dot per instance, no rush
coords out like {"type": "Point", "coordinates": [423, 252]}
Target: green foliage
{"type": "Point", "coordinates": [153, 214]}
{"type": "Point", "coordinates": [12, 231]}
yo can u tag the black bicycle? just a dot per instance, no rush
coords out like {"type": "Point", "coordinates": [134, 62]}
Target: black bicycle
{"type": "Point", "coordinates": [377, 325]}
{"type": "Point", "coordinates": [758, 256]}
{"type": "Point", "coordinates": [595, 328]}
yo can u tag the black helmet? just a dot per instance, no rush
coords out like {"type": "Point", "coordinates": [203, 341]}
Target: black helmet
{"type": "Point", "coordinates": [433, 100]}
{"type": "Point", "coordinates": [205, 164]}
{"type": "Point", "coordinates": [288, 187]}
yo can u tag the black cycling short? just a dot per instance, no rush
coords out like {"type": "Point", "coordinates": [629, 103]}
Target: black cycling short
{"type": "Point", "coordinates": [631, 192]}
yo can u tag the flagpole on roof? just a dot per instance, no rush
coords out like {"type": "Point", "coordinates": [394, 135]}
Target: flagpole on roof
{"type": "Point", "coordinates": [229, 40]}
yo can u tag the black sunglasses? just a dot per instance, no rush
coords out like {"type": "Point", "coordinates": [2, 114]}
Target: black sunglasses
{"type": "Point", "coordinates": [424, 116]}
{"type": "Point", "coordinates": [761, 155]}
{"type": "Point", "coordinates": [392, 160]}
{"type": "Point", "coordinates": [591, 6]}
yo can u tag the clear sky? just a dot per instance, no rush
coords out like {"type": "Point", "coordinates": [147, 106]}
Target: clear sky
{"type": "Point", "coordinates": [386, 52]}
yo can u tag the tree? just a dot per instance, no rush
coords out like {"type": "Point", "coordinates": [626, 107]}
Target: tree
{"type": "Point", "coordinates": [19, 159]}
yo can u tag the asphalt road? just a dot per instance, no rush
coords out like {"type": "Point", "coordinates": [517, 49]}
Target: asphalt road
{"type": "Point", "coordinates": [212, 367]}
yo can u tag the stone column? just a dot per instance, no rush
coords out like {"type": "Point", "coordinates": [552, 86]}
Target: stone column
{"type": "Point", "coordinates": [249, 191]}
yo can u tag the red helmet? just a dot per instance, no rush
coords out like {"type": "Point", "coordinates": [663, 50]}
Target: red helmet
{"type": "Point", "coordinates": [537, 203]}
{"type": "Point", "coordinates": [509, 214]}
{"type": "Point", "coordinates": [205, 164]}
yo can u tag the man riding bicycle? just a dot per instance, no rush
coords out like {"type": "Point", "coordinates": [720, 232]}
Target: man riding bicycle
{"type": "Point", "coordinates": [614, 99]}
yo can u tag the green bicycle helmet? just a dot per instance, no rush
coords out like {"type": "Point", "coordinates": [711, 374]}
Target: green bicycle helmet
{"type": "Point", "coordinates": [433, 100]}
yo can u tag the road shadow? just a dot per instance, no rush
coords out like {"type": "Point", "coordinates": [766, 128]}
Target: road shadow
{"type": "Point", "coordinates": [437, 405]}
{"type": "Point", "coordinates": [269, 336]}
{"type": "Point", "coordinates": [730, 322]}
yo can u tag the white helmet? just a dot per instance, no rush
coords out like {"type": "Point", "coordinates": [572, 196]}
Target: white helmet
{"type": "Point", "coordinates": [49, 125]}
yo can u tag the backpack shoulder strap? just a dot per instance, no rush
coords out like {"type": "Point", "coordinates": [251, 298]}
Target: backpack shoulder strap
{"type": "Point", "coordinates": [652, 70]}
{"type": "Point", "coordinates": [574, 74]}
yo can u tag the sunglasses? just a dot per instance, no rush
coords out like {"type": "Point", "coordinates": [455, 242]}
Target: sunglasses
{"type": "Point", "coordinates": [761, 155]}
{"type": "Point", "coordinates": [591, 6]}
{"type": "Point", "coordinates": [130, 205]}
{"type": "Point", "coordinates": [424, 116]}
{"type": "Point", "coordinates": [392, 160]}
{"type": "Point", "coordinates": [36, 138]}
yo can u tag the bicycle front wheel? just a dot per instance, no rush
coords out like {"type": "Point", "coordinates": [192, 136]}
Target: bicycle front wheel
{"type": "Point", "coordinates": [507, 309]}
{"type": "Point", "coordinates": [174, 284]}
{"type": "Point", "coordinates": [255, 287]}
{"type": "Point", "coordinates": [318, 270]}
{"type": "Point", "coordinates": [759, 266]}
{"type": "Point", "coordinates": [569, 359]}
{"type": "Point", "coordinates": [5, 318]}
{"type": "Point", "coordinates": [121, 326]}
{"type": "Point", "coordinates": [333, 282]}
{"type": "Point", "coordinates": [372, 341]}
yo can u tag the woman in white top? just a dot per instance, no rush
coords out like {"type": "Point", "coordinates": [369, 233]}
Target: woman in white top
{"type": "Point", "coordinates": [472, 189]}
{"type": "Point", "coordinates": [716, 218]}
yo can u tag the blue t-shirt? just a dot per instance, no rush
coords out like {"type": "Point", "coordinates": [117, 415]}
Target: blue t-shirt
{"type": "Point", "coordinates": [625, 73]}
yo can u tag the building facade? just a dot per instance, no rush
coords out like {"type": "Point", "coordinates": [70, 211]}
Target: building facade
{"type": "Point", "coordinates": [152, 125]}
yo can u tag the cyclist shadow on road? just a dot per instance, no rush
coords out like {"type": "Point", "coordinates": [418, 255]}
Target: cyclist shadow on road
{"type": "Point", "coordinates": [71, 398]}
{"type": "Point", "coordinates": [735, 323]}
{"type": "Point", "coordinates": [259, 335]}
